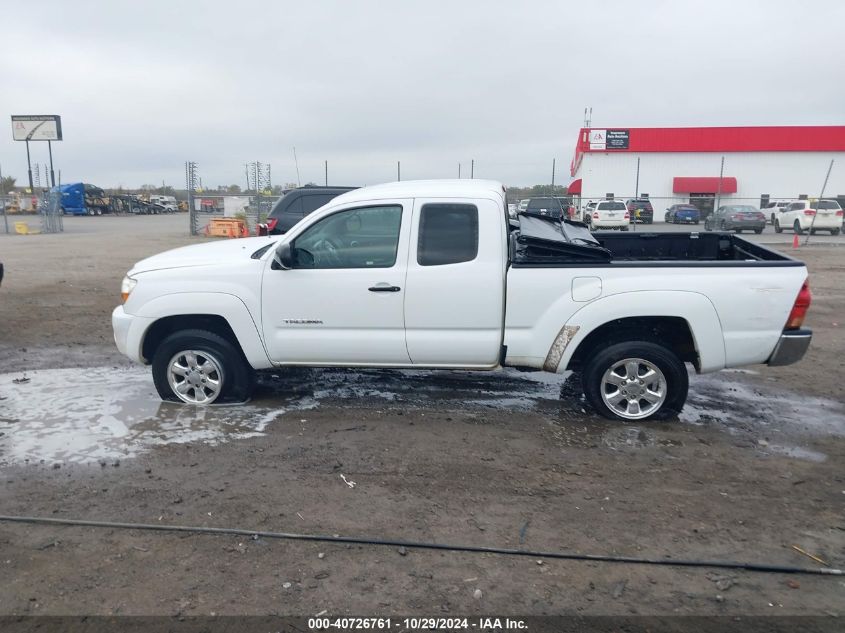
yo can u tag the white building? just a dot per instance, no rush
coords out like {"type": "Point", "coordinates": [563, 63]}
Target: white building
{"type": "Point", "coordinates": [683, 165]}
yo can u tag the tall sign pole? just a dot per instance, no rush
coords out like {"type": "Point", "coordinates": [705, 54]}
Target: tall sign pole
{"type": "Point", "coordinates": [52, 173]}
{"type": "Point", "coordinates": [29, 168]}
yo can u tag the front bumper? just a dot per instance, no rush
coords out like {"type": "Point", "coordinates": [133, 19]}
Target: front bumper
{"type": "Point", "coordinates": [129, 333]}
{"type": "Point", "coordinates": [790, 348]}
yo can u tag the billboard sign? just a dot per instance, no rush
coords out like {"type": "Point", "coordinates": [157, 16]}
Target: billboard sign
{"type": "Point", "coordinates": [609, 139]}
{"type": "Point", "coordinates": [36, 127]}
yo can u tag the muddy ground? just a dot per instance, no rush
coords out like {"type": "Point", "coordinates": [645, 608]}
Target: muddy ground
{"type": "Point", "coordinates": [753, 467]}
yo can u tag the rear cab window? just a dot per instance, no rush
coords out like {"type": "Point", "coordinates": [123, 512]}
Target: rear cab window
{"type": "Point", "coordinates": [611, 206]}
{"type": "Point", "coordinates": [448, 234]}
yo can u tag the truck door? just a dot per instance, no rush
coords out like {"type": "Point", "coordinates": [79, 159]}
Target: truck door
{"type": "Point", "coordinates": [342, 302]}
{"type": "Point", "coordinates": [454, 299]}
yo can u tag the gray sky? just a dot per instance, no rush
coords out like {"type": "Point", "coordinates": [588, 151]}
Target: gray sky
{"type": "Point", "coordinates": [144, 86]}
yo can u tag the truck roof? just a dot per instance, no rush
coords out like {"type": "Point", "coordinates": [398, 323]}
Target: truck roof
{"type": "Point", "coordinates": [445, 188]}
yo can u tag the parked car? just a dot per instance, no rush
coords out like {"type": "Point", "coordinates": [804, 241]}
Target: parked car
{"type": "Point", "coordinates": [800, 216]}
{"type": "Point", "coordinates": [523, 204]}
{"type": "Point", "coordinates": [610, 214]}
{"type": "Point", "coordinates": [587, 212]}
{"type": "Point", "coordinates": [641, 210]}
{"type": "Point", "coordinates": [736, 217]}
{"type": "Point", "coordinates": [551, 206]}
{"type": "Point", "coordinates": [682, 214]}
{"type": "Point", "coordinates": [297, 203]}
{"type": "Point", "coordinates": [424, 275]}
{"type": "Point", "coordinates": [773, 208]}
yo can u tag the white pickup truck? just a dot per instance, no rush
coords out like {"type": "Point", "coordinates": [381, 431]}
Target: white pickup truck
{"type": "Point", "coordinates": [433, 274]}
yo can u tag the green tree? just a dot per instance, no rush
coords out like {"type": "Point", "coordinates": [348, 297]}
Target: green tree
{"type": "Point", "coordinates": [7, 183]}
{"type": "Point", "coordinates": [234, 189]}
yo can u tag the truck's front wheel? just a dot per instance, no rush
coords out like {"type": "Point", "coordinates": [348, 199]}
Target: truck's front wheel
{"type": "Point", "coordinates": [201, 367]}
{"type": "Point", "coordinates": [637, 380]}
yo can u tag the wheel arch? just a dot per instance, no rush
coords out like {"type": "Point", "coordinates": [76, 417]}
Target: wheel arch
{"type": "Point", "coordinates": [220, 313]}
{"type": "Point", "coordinates": [688, 321]}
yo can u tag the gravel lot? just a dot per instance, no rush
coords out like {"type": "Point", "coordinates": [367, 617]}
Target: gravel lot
{"type": "Point", "coordinates": [753, 467]}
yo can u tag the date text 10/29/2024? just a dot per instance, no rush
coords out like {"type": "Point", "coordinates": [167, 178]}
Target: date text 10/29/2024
{"type": "Point", "coordinates": [387, 624]}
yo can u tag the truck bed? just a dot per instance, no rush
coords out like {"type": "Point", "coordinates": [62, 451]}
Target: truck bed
{"type": "Point", "coordinates": [543, 242]}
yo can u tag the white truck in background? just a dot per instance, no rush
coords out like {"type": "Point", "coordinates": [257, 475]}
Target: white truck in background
{"type": "Point", "coordinates": [432, 274]}
{"type": "Point", "coordinates": [168, 202]}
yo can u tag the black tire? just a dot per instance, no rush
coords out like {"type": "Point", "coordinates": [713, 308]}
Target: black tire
{"type": "Point", "coordinates": [796, 227]}
{"type": "Point", "coordinates": [778, 227]}
{"type": "Point", "coordinates": [707, 226]}
{"type": "Point", "coordinates": [758, 231]}
{"type": "Point", "coordinates": [238, 378]}
{"type": "Point", "coordinates": [834, 231]}
{"type": "Point", "coordinates": [673, 369]}
{"type": "Point", "coordinates": [722, 225]}
{"type": "Point", "coordinates": [666, 218]}
{"type": "Point", "coordinates": [624, 228]}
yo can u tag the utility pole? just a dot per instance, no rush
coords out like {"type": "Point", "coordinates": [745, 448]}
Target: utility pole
{"type": "Point", "coordinates": [553, 176]}
{"type": "Point", "coordinates": [636, 193]}
{"type": "Point", "coordinates": [818, 203]}
{"type": "Point", "coordinates": [327, 172]}
{"type": "Point", "coordinates": [719, 187]}
{"type": "Point", "coordinates": [296, 162]}
{"type": "Point", "coordinates": [398, 170]}
{"type": "Point", "coordinates": [472, 169]}
{"type": "Point", "coordinates": [459, 171]}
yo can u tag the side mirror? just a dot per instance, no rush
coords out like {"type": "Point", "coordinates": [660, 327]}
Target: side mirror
{"type": "Point", "coordinates": [283, 258]}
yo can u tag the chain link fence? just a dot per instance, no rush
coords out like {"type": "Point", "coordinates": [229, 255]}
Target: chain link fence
{"type": "Point", "coordinates": [248, 208]}
{"type": "Point", "coordinates": [28, 214]}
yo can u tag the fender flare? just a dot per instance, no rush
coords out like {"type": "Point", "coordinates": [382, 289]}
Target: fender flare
{"type": "Point", "coordinates": [227, 306]}
{"type": "Point", "coordinates": [695, 308]}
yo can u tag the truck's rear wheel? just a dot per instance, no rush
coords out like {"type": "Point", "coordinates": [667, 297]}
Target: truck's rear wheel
{"type": "Point", "coordinates": [637, 380]}
{"type": "Point", "coordinates": [201, 367]}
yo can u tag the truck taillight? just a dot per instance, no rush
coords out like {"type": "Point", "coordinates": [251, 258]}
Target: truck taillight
{"type": "Point", "coordinates": [809, 212]}
{"type": "Point", "coordinates": [271, 224]}
{"type": "Point", "coordinates": [627, 215]}
{"type": "Point", "coordinates": [800, 307]}
{"type": "Point", "coordinates": [839, 213]}
{"type": "Point", "coordinates": [596, 215]}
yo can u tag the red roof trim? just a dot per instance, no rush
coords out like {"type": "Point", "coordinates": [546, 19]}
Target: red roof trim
{"type": "Point", "coordinates": [703, 184]}
{"type": "Point", "coordinates": [810, 138]}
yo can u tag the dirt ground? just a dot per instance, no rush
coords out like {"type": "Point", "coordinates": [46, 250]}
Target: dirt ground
{"type": "Point", "coordinates": [753, 467]}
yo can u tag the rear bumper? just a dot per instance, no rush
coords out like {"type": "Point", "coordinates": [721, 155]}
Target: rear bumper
{"type": "Point", "coordinates": [790, 348]}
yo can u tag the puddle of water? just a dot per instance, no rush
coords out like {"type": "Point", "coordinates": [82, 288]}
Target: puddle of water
{"type": "Point", "coordinates": [97, 414]}
{"type": "Point", "coordinates": [85, 415]}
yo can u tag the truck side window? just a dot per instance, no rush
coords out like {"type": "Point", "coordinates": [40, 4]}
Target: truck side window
{"type": "Point", "coordinates": [448, 234]}
{"type": "Point", "coordinates": [366, 237]}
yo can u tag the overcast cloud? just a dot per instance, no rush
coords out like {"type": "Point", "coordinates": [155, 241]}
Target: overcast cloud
{"type": "Point", "coordinates": [144, 86]}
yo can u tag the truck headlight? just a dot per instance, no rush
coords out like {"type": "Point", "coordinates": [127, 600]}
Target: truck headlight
{"type": "Point", "coordinates": [127, 285]}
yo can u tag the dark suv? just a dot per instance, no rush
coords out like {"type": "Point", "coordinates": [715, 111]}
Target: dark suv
{"type": "Point", "coordinates": [295, 204]}
{"type": "Point", "coordinates": [555, 207]}
{"type": "Point", "coordinates": [640, 210]}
